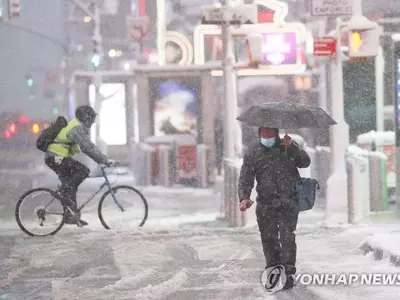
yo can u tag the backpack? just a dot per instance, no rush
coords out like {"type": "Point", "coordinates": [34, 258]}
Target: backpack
{"type": "Point", "coordinates": [48, 135]}
{"type": "Point", "coordinates": [306, 192]}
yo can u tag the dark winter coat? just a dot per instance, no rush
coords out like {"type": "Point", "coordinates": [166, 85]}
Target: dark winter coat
{"type": "Point", "coordinates": [275, 170]}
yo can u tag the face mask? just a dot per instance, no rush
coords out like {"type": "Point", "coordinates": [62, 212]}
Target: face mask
{"type": "Point", "coordinates": [267, 142]}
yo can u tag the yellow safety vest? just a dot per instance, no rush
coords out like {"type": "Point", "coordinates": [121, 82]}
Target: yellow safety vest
{"type": "Point", "coordinates": [62, 145]}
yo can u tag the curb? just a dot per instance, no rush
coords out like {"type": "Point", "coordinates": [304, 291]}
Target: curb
{"type": "Point", "coordinates": [379, 253]}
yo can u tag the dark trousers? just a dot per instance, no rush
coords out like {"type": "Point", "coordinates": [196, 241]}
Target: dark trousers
{"type": "Point", "coordinates": [277, 228]}
{"type": "Point", "coordinates": [71, 174]}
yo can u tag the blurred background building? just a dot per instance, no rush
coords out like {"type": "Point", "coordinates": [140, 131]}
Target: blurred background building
{"type": "Point", "coordinates": [51, 38]}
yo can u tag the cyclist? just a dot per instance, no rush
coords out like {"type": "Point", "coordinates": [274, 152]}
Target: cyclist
{"type": "Point", "coordinates": [71, 139]}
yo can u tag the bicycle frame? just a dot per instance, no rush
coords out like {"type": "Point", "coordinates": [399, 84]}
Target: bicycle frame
{"type": "Point", "coordinates": [106, 183]}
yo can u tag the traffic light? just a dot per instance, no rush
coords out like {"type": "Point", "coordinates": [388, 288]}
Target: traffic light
{"type": "Point", "coordinates": [95, 60]}
{"type": "Point", "coordinates": [29, 80]}
{"type": "Point", "coordinates": [13, 128]}
{"type": "Point", "coordinates": [363, 38]}
{"type": "Point", "coordinates": [23, 120]}
{"type": "Point", "coordinates": [55, 110]}
{"type": "Point", "coordinates": [35, 128]}
{"type": "Point", "coordinates": [356, 40]}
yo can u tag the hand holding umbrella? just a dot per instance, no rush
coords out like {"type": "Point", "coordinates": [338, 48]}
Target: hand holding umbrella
{"type": "Point", "coordinates": [287, 141]}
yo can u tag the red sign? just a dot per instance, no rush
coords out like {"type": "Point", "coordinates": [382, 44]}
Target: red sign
{"type": "Point", "coordinates": [187, 161]}
{"type": "Point", "coordinates": [265, 14]}
{"type": "Point", "coordinates": [389, 150]}
{"type": "Point", "coordinates": [325, 46]}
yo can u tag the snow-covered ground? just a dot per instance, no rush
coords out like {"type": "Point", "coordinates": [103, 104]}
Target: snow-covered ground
{"type": "Point", "coordinates": [181, 253]}
{"type": "Point", "coordinates": [193, 263]}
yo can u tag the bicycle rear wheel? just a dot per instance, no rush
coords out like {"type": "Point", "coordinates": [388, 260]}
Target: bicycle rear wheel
{"type": "Point", "coordinates": [39, 213]}
{"type": "Point", "coordinates": [122, 207]}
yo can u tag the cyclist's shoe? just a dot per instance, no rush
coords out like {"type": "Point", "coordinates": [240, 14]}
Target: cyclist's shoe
{"type": "Point", "coordinates": [74, 218]}
{"type": "Point", "coordinates": [70, 220]}
{"type": "Point", "coordinates": [82, 223]}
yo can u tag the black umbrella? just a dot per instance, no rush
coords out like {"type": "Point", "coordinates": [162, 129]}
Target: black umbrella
{"type": "Point", "coordinates": [286, 115]}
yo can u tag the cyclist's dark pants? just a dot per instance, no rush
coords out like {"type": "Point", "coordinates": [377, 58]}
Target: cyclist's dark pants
{"type": "Point", "coordinates": [71, 174]}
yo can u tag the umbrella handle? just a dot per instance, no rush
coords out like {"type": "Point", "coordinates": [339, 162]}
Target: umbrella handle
{"type": "Point", "coordinates": [286, 133]}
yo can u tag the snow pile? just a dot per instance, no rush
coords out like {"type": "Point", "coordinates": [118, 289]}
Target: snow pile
{"type": "Point", "coordinates": [379, 138]}
{"type": "Point", "coordinates": [356, 150]}
{"type": "Point", "coordinates": [161, 191]}
{"type": "Point", "coordinates": [322, 148]}
{"type": "Point", "coordinates": [366, 138]}
{"type": "Point", "coordinates": [385, 138]}
{"type": "Point", "coordinates": [388, 243]}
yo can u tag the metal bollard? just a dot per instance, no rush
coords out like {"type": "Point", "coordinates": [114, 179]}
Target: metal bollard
{"type": "Point", "coordinates": [235, 210]}
{"type": "Point", "coordinates": [350, 189]}
{"type": "Point", "coordinates": [378, 182]}
{"type": "Point", "coordinates": [226, 189]}
{"type": "Point", "coordinates": [143, 168]}
{"type": "Point", "coordinates": [242, 219]}
{"type": "Point", "coordinates": [202, 165]}
{"type": "Point", "coordinates": [165, 176]}
{"type": "Point", "coordinates": [230, 194]}
{"type": "Point", "coordinates": [323, 169]}
{"type": "Point", "coordinates": [358, 187]}
{"type": "Point", "coordinates": [230, 190]}
{"type": "Point", "coordinates": [135, 160]}
{"type": "Point", "coordinates": [234, 216]}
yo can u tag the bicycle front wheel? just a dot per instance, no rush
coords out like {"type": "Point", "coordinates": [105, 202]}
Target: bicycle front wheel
{"type": "Point", "coordinates": [39, 213]}
{"type": "Point", "coordinates": [121, 207]}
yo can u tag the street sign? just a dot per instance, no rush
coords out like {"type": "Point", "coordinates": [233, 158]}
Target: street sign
{"type": "Point", "coordinates": [239, 14]}
{"type": "Point", "coordinates": [280, 47]}
{"type": "Point", "coordinates": [331, 7]}
{"type": "Point", "coordinates": [325, 46]}
{"type": "Point", "coordinates": [137, 27]}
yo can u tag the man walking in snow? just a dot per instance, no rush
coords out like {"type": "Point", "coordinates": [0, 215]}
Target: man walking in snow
{"type": "Point", "coordinates": [273, 163]}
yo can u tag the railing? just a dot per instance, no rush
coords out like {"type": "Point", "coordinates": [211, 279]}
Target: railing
{"type": "Point", "coordinates": [367, 182]}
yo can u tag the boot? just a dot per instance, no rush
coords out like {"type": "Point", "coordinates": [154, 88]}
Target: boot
{"type": "Point", "coordinates": [290, 282]}
{"type": "Point", "coordinates": [74, 219]}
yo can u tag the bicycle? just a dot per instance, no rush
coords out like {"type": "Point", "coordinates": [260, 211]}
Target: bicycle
{"type": "Point", "coordinates": [44, 212]}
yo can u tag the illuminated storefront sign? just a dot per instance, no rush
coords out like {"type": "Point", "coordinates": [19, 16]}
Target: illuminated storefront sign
{"type": "Point", "coordinates": [283, 42]}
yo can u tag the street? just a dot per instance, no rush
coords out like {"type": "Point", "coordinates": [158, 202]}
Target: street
{"type": "Point", "coordinates": [182, 252]}
{"type": "Point", "coordinates": [189, 259]}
